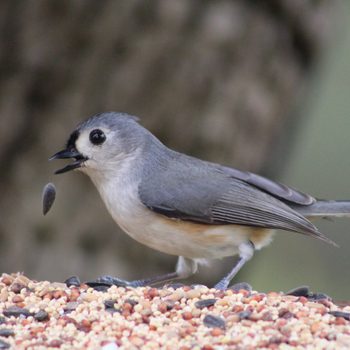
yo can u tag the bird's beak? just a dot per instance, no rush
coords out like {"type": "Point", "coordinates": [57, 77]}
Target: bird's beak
{"type": "Point", "coordinates": [69, 153]}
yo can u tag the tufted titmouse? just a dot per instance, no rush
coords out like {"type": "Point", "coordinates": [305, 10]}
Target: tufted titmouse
{"type": "Point", "coordinates": [182, 205]}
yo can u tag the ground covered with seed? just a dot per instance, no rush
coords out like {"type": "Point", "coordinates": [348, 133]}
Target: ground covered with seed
{"type": "Point", "coordinates": [41, 315]}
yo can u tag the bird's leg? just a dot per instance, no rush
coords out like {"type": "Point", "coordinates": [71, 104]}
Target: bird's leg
{"type": "Point", "coordinates": [246, 252]}
{"type": "Point", "coordinates": [184, 268]}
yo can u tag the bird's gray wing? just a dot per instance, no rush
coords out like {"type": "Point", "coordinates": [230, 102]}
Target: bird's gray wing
{"type": "Point", "coordinates": [200, 193]}
{"type": "Point", "coordinates": [274, 188]}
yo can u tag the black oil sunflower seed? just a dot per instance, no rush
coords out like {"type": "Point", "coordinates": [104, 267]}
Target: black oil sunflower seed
{"type": "Point", "coordinates": [244, 315]}
{"type": "Point", "coordinates": [302, 291]}
{"type": "Point", "coordinates": [109, 305]}
{"type": "Point", "coordinates": [72, 281]}
{"type": "Point", "coordinates": [241, 285]}
{"type": "Point", "coordinates": [6, 332]}
{"type": "Point", "coordinates": [41, 315]}
{"type": "Point", "coordinates": [214, 321]}
{"type": "Point", "coordinates": [49, 195]}
{"type": "Point", "coordinates": [343, 314]}
{"type": "Point", "coordinates": [16, 311]}
{"type": "Point", "coordinates": [201, 304]}
{"type": "Point", "coordinates": [319, 296]}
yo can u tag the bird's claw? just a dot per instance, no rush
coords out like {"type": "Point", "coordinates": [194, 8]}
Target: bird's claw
{"type": "Point", "coordinates": [109, 281]}
{"type": "Point", "coordinates": [114, 281]}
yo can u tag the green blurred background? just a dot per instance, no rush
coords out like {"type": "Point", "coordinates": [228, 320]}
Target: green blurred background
{"type": "Point", "coordinates": [319, 163]}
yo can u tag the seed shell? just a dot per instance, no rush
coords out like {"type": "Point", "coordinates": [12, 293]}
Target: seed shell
{"type": "Point", "coordinates": [49, 196]}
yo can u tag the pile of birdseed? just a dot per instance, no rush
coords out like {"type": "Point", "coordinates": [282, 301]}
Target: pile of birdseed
{"type": "Point", "coordinates": [41, 315]}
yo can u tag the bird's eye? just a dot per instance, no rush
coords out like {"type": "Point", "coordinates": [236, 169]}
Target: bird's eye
{"type": "Point", "coordinates": [97, 137]}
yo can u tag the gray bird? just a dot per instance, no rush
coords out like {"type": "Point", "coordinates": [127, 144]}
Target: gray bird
{"type": "Point", "coordinates": [182, 205]}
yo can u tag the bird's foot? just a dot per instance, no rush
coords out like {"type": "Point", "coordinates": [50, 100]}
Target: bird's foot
{"type": "Point", "coordinates": [221, 285]}
{"type": "Point", "coordinates": [114, 281]}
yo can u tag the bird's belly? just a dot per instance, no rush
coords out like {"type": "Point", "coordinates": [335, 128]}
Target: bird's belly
{"type": "Point", "coordinates": [174, 236]}
{"type": "Point", "coordinates": [192, 240]}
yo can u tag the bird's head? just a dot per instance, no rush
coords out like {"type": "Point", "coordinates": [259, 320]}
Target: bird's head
{"type": "Point", "coordinates": [101, 142]}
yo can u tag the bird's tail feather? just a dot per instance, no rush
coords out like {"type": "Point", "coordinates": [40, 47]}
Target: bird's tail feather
{"type": "Point", "coordinates": [325, 208]}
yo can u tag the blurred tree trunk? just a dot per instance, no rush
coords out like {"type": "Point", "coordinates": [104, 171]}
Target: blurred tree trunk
{"type": "Point", "coordinates": [217, 79]}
